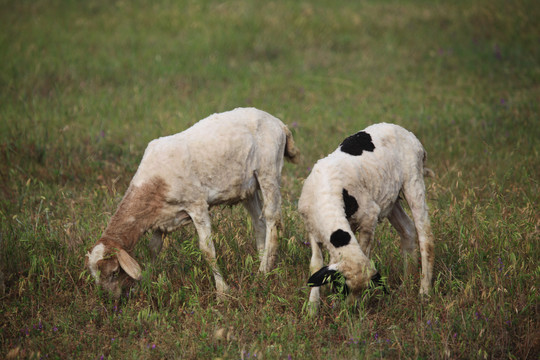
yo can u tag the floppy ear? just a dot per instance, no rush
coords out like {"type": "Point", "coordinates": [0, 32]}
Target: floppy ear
{"type": "Point", "coordinates": [129, 265]}
{"type": "Point", "coordinates": [323, 276]}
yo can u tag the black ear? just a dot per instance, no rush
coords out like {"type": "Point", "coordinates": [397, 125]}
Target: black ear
{"type": "Point", "coordinates": [321, 277]}
{"type": "Point", "coordinates": [376, 281]}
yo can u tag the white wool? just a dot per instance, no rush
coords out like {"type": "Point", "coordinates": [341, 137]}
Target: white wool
{"type": "Point", "coordinates": [93, 257]}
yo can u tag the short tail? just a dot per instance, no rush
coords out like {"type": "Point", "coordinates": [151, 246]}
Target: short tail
{"type": "Point", "coordinates": [291, 151]}
{"type": "Point", "coordinates": [427, 171]}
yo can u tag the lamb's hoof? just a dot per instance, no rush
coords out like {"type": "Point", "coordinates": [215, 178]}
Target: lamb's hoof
{"type": "Point", "coordinates": [313, 309]}
{"type": "Point", "coordinates": [223, 293]}
{"type": "Point", "coordinates": [424, 294]}
{"type": "Point", "coordinates": [266, 266]}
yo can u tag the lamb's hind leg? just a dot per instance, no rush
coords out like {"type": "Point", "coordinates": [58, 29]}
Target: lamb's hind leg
{"type": "Point", "coordinates": [405, 228]}
{"type": "Point", "coordinates": [272, 214]}
{"type": "Point", "coordinates": [415, 193]}
{"type": "Point", "coordinates": [254, 207]}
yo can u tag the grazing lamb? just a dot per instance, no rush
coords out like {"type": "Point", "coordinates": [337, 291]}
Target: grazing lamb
{"type": "Point", "coordinates": [227, 158]}
{"type": "Point", "coordinates": [351, 190]}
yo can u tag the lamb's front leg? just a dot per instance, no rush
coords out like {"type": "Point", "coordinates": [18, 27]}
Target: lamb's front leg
{"type": "Point", "coordinates": [204, 230]}
{"type": "Point", "coordinates": [156, 243]}
{"type": "Point", "coordinates": [315, 265]}
{"type": "Point", "coordinates": [365, 228]}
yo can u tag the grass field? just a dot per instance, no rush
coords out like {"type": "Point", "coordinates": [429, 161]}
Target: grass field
{"type": "Point", "coordinates": [84, 86]}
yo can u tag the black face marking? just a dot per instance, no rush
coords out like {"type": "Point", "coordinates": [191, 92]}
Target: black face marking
{"type": "Point", "coordinates": [351, 205]}
{"type": "Point", "coordinates": [334, 277]}
{"type": "Point", "coordinates": [358, 143]}
{"type": "Point", "coordinates": [321, 277]}
{"type": "Point", "coordinates": [340, 238]}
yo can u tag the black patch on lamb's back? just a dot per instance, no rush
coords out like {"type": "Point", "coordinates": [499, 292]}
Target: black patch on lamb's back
{"type": "Point", "coordinates": [358, 143]}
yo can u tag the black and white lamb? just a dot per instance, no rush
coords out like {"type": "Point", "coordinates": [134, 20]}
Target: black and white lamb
{"type": "Point", "coordinates": [354, 188]}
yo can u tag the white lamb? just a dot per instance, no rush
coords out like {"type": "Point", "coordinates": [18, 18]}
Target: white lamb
{"type": "Point", "coordinates": [227, 158]}
{"type": "Point", "coordinates": [354, 188]}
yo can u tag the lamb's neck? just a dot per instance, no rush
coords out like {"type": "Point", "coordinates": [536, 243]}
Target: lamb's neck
{"type": "Point", "coordinates": [124, 231]}
{"type": "Point", "coordinates": [137, 212]}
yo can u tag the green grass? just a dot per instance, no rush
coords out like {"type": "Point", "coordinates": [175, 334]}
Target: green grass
{"type": "Point", "coordinates": [85, 85]}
